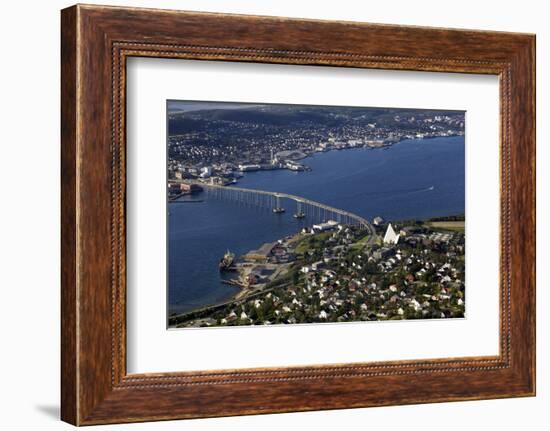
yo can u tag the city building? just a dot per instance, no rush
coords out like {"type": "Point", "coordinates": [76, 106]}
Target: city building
{"type": "Point", "coordinates": [189, 188]}
{"type": "Point", "coordinates": [377, 221]}
{"type": "Point", "coordinates": [206, 172]}
{"type": "Point", "coordinates": [321, 227]}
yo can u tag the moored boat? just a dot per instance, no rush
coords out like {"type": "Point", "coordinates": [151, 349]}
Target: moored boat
{"type": "Point", "coordinates": [226, 261]}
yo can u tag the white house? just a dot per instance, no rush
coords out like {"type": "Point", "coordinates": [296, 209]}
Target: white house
{"type": "Point", "coordinates": [377, 221]}
{"type": "Point", "coordinates": [206, 172]}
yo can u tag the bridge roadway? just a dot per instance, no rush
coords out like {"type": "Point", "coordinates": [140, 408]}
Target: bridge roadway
{"type": "Point", "coordinates": [298, 199]}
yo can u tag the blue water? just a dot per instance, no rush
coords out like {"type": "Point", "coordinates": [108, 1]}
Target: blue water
{"type": "Point", "coordinates": [415, 179]}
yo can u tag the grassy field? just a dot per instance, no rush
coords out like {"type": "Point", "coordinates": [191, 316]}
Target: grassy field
{"type": "Point", "coordinates": [311, 242]}
{"type": "Point", "coordinates": [361, 243]}
{"type": "Point", "coordinates": [456, 226]}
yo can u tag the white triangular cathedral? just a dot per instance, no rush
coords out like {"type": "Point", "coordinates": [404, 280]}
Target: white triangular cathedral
{"type": "Point", "coordinates": [390, 237]}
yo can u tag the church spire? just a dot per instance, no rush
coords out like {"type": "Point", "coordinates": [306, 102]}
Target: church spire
{"type": "Point", "coordinates": [390, 237]}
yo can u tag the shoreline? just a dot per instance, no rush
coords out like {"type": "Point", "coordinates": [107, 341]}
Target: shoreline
{"type": "Point", "coordinates": [243, 295]}
{"type": "Point", "coordinates": [298, 167]}
{"type": "Point", "coordinates": [383, 146]}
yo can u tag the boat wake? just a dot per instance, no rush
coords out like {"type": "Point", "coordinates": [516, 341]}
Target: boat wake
{"type": "Point", "coordinates": [392, 193]}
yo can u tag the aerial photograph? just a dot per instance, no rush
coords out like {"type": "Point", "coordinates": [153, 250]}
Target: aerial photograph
{"type": "Point", "coordinates": [304, 214]}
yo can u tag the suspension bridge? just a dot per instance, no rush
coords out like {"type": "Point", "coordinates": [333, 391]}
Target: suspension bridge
{"type": "Point", "coordinates": [304, 208]}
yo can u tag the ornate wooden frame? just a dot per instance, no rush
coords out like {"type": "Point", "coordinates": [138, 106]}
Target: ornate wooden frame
{"type": "Point", "coordinates": [95, 42]}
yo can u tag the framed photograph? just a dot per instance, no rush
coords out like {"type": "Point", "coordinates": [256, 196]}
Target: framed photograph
{"type": "Point", "coordinates": [323, 261]}
{"type": "Point", "coordinates": [264, 215]}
